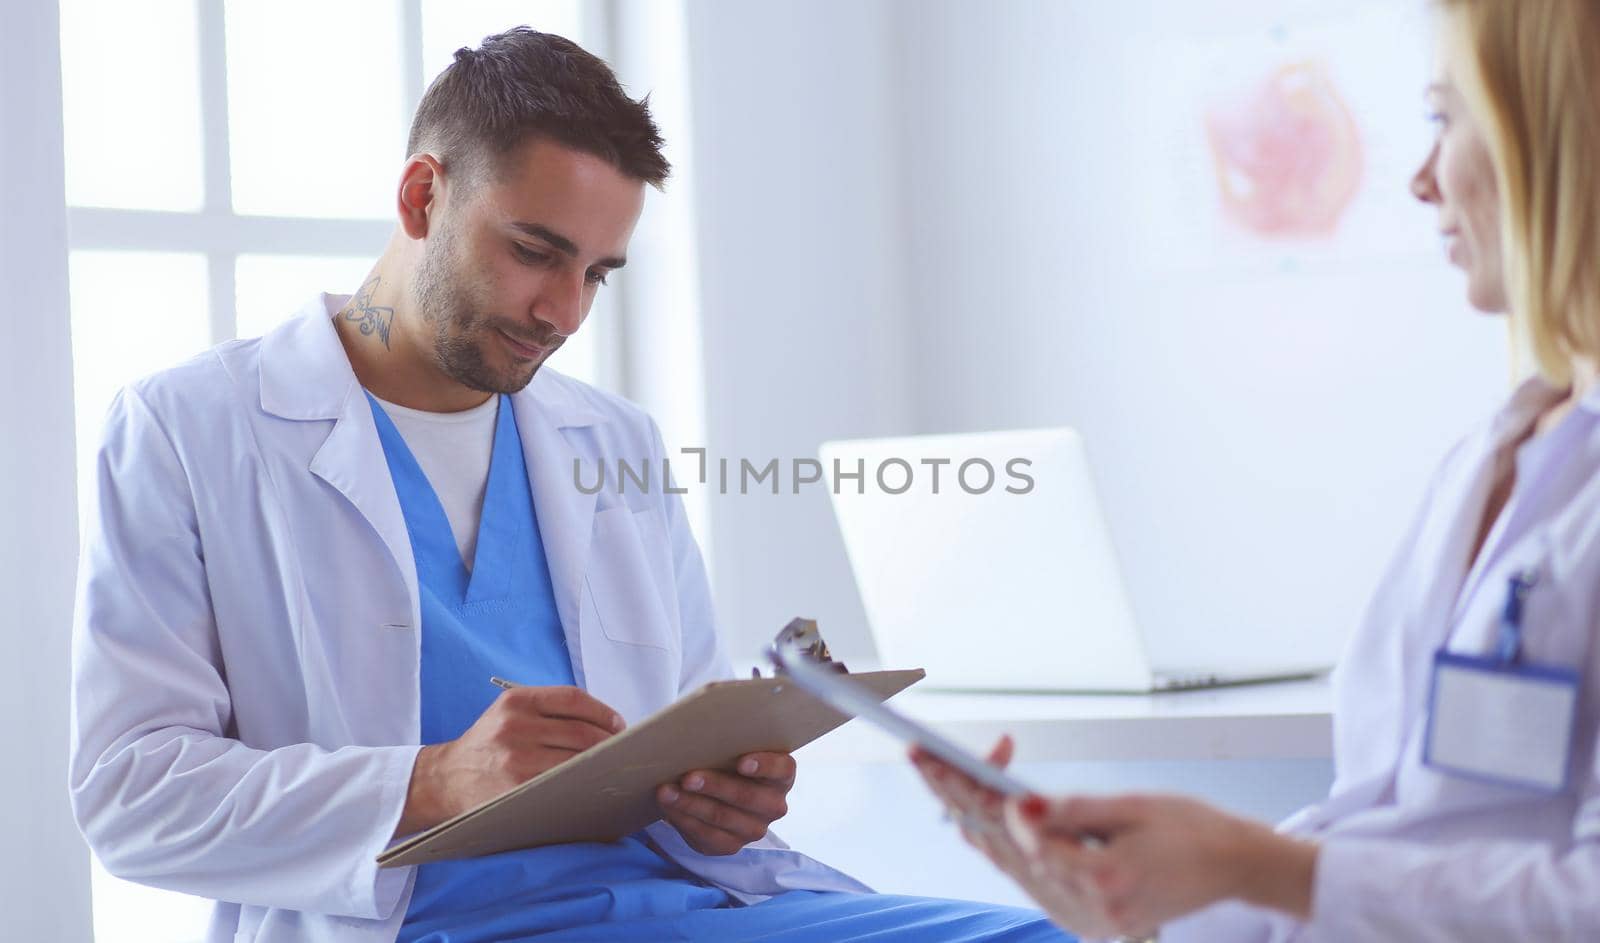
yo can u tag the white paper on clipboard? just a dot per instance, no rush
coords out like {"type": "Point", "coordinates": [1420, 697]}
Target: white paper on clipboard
{"type": "Point", "coordinates": [836, 690]}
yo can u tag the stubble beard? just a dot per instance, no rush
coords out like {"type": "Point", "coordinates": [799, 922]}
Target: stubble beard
{"type": "Point", "coordinates": [448, 304]}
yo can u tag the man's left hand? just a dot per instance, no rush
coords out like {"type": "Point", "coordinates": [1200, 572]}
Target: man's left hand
{"type": "Point", "coordinates": [719, 813]}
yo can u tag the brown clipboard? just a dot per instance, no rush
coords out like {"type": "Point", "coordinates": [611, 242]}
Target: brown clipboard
{"type": "Point", "coordinates": [608, 791]}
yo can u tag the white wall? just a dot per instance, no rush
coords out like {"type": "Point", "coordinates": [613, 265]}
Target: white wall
{"type": "Point", "coordinates": [801, 282]}
{"type": "Point", "coordinates": [933, 215]}
{"type": "Point", "coordinates": [44, 874]}
{"type": "Point", "coordinates": [1261, 424]}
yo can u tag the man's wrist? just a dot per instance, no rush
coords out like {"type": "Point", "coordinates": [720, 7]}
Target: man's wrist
{"type": "Point", "coordinates": [425, 799]}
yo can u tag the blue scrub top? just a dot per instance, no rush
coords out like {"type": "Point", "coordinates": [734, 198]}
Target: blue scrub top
{"type": "Point", "coordinates": [500, 619]}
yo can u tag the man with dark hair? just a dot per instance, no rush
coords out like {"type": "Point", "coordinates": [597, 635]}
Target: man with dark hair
{"type": "Point", "coordinates": [487, 103]}
{"type": "Point", "coordinates": [308, 553]}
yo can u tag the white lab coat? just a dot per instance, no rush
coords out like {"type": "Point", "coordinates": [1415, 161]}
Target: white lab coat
{"type": "Point", "coordinates": [1409, 853]}
{"type": "Point", "coordinates": [246, 646]}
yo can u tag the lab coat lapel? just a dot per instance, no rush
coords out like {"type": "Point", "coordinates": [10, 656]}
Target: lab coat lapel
{"type": "Point", "coordinates": [1508, 426]}
{"type": "Point", "coordinates": [352, 461]}
{"type": "Point", "coordinates": [305, 375]}
{"type": "Point", "coordinates": [1445, 562]}
{"type": "Point", "coordinates": [565, 513]}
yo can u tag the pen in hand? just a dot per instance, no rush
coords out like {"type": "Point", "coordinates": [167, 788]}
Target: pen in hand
{"type": "Point", "coordinates": [617, 723]}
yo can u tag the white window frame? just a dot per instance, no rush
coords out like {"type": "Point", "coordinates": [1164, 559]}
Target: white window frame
{"type": "Point", "coordinates": [215, 231]}
{"type": "Point", "coordinates": [44, 875]}
{"type": "Point", "coordinates": [221, 235]}
{"type": "Point", "coordinates": [46, 880]}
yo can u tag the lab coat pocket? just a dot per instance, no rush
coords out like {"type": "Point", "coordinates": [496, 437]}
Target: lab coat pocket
{"type": "Point", "coordinates": [623, 579]}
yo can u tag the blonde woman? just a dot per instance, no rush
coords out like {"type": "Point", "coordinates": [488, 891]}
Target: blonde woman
{"type": "Point", "coordinates": [1466, 803]}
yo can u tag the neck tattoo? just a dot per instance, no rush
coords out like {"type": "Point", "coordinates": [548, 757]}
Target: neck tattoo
{"type": "Point", "coordinates": [373, 319]}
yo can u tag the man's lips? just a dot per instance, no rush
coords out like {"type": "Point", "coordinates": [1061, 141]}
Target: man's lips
{"type": "Point", "coordinates": [525, 350]}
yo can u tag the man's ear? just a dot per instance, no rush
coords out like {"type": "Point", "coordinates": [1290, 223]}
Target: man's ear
{"type": "Point", "coordinates": [421, 185]}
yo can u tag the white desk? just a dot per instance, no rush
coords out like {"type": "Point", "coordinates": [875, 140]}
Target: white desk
{"type": "Point", "coordinates": [1278, 720]}
{"type": "Point", "coordinates": [1260, 750]}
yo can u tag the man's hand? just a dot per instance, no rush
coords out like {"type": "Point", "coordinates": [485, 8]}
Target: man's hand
{"type": "Point", "coordinates": [526, 731]}
{"type": "Point", "coordinates": [719, 813]}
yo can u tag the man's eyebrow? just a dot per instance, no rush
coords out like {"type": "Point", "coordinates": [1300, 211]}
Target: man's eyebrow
{"type": "Point", "coordinates": [562, 244]}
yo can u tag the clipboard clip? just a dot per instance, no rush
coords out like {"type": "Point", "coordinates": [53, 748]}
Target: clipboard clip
{"type": "Point", "coordinates": [802, 635]}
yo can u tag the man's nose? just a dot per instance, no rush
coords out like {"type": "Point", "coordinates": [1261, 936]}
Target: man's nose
{"type": "Point", "coordinates": [562, 304]}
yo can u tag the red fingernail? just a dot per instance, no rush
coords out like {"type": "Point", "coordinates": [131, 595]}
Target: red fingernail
{"type": "Point", "coordinates": [1033, 807]}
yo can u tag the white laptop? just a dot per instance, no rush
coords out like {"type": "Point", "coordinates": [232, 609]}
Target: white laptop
{"type": "Point", "coordinates": [1006, 579]}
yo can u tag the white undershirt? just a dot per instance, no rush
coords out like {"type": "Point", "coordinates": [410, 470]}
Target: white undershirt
{"type": "Point", "coordinates": [454, 450]}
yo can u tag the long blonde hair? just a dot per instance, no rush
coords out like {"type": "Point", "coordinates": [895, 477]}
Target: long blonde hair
{"type": "Point", "coordinates": [1530, 72]}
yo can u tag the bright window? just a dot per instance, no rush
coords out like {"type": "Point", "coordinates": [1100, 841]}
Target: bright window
{"type": "Point", "coordinates": [118, 60]}
{"type": "Point", "coordinates": [448, 25]}
{"type": "Point", "coordinates": [316, 113]}
{"type": "Point", "coordinates": [133, 313]}
{"type": "Point", "coordinates": [270, 289]}
{"type": "Point", "coordinates": [225, 161]}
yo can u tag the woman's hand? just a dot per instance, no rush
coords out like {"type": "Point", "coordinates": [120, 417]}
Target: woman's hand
{"type": "Point", "coordinates": [979, 812]}
{"type": "Point", "coordinates": [1124, 865]}
{"type": "Point", "coordinates": [1157, 858]}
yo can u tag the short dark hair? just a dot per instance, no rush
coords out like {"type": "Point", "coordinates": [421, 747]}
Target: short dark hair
{"type": "Point", "coordinates": [523, 84]}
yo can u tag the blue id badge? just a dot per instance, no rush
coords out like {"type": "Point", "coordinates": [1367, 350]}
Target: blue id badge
{"type": "Point", "coordinates": [1497, 719]}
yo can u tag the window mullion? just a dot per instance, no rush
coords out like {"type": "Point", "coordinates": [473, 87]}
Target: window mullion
{"type": "Point", "coordinates": [227, 233]}
{"type": "Point", "coordinates": [217, 161]}
{"type": "Point", "coordinates": [411, 77]}
{"type": "Point", "coordinates": [601, 34]}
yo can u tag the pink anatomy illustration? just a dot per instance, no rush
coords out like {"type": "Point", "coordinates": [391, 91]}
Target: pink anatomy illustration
{"type": "Point", "coordinates": [1287, 155]}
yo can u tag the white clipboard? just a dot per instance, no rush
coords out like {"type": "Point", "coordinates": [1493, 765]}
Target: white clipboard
{"type": "Point", "coordinates": [839, 691]}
